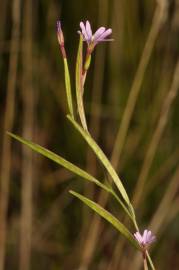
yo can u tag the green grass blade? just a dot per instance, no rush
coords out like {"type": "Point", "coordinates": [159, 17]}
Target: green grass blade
{"type": "Point", "coordinates": [107, 216]}
{"type": "Point", "coordinates": [79, 84]}
{"type": "Point", "coordinates": [68, 87]}
{"type": "Point", "coordinates": [102, 157]}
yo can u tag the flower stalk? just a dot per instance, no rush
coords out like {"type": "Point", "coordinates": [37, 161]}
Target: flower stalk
{"type": "Point", "coordinates": [145, 263]}
{"type": "Point", "coordinates": [61, 42]}
{"type": "Point", "coordinates": [86, 65]}
{"type": "Point", "coordinates": [92, 40]}
{"type": "Point", "coordinates": [80, 85]}
{"type": "Point", "coordinates": [145, 241]}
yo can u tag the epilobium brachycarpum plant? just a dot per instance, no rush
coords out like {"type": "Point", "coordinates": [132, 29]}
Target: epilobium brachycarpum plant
{"type": "Point", "coordinates": [139, 241]}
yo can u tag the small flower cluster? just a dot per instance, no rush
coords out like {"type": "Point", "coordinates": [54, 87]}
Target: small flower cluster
{"type": "Point", "coordinates": [146, 239]}
{"type": "Point", "coordinates": [93, 39]}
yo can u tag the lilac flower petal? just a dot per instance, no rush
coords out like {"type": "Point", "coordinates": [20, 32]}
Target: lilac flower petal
{"type": "Point", "coordinates": [83, 31]}
{"type": "Point", "coordinates": [145, 237]}
{"type": "Point", "coordinates": [138, 237]}
{"type": "Point", "coordinates": [82, 26]}
{"type": "Point", "coordinates": [105, 34]}
{"type": "Point", "coordinates": [148, 236]}
{"type": "Point", "coordinates": [98, 33]}
{"type": "Point", "coordinates": [152, 239]}
{"type": "Point", "coordinates": [88, 30]}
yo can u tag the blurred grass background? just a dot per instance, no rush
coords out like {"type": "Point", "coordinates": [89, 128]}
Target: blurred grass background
{"type": "Point", "coordinates": [131, 103]}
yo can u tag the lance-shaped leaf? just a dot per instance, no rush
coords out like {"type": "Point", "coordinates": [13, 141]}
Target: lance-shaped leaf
{"type": "Point", "coordinates": [104, 160]}
{"type": "Point", "coordinates": [109, 217]}
{"type": "Point", "coordinates": [79, 83]}
{"type": "Point", "coordinates": [69, 166]}
{"type": "Point", "coordinates": [68, 87]}
{"type": "Point", "coordinates": [61, 161]}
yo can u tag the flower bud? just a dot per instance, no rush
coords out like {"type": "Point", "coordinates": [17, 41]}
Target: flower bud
{"type": "Point", "coordinates": [61, 39]}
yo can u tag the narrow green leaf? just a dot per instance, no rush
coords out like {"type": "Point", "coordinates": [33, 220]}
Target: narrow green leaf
{"type": "Point", "coordinates": [79, 83]}
{"type": "Point", "coordinates": [102, 157]}
{"type": "Point", "coordinates": [68, 88]}
{"type": "Point", "coordinates": [59, 160]}
{"type": "Point", "coordinates": [69, 166]}
{"type": "Point", "coordinates": [107, 216]}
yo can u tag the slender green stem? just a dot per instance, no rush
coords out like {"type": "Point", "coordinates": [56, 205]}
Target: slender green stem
{"type": "Point", "coordinates": [150, 261]}
{"type": "Point", "coordinates": [79, 85]}
{"type": "Point", "coordinates": [122, 204]}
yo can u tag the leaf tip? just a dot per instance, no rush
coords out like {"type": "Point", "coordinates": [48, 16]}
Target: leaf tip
{"type": "Point", "coordinates": [9, 133]}
{"type": "Point", "coordinates": [72, 192]}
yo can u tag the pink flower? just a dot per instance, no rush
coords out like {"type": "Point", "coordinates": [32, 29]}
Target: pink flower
{"type": "Point", "coordinates": [146, 239]}
{"type": "Point", "coordinates": [92, 39]}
